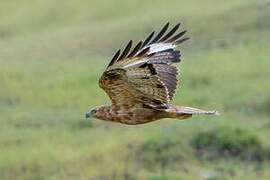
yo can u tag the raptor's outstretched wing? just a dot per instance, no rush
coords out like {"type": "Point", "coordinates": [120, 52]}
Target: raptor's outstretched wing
{"type": "Point", "coordinates": [144, 76]}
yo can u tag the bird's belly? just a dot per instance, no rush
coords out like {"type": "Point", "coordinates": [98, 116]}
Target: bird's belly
{"type": "Point", "coordinates": [139, 116]}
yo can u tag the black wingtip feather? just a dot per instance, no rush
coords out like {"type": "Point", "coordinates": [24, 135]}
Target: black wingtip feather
{"type": "Point", "coordinates": [181, 40]}
{"type": "Point", "coordinates": [148, 39]}
{"type": "Point", "coordinates": [163, 30]}
{"type": "Point", "coordinates": [135, 50]}
{"type": "Point", "coordinates": [177, 36]}
{"type": "Point", "coordinates": [126, 50]}
{"type": "Point", "coordinates": [114, 57]}
{"type": "Point", "coordinates": [169, 34]}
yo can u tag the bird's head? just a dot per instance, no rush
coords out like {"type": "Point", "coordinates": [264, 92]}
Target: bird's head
{"type": "Point", "coordinates": [98, 112]}
{"type": "Point", "coordinates": [92, 113]}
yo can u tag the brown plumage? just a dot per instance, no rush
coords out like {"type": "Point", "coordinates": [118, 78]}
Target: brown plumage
{"type": "Point", "coordinates": [142, 81]}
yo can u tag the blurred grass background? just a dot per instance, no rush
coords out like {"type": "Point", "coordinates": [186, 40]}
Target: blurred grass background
{"type": "Point", "coordinates": [53, 52]}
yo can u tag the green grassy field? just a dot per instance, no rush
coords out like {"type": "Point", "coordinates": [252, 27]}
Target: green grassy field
{"type": "Point", "coordinates": [52, 54]}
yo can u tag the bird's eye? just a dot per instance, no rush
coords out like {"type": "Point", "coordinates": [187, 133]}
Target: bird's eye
{"type": "Point", "coordinates": [93, 111]}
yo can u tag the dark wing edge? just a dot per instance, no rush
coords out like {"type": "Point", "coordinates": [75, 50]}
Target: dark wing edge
{"type": "Point", "coordinates": [168, 37]}
{"type": "Point", "coordinates": [163, 59]}
{"type": "Point", "coordinates": [159, 38]}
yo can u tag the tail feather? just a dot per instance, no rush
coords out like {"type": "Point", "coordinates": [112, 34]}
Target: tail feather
{"type": "Point", "coordinates": [195, 111]}
{"type": "Point", "coordinates": [182, 112]}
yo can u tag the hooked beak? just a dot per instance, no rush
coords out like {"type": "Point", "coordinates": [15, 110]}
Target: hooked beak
{"type": "Point", "coordinates": [90, 113]}
{"type": "Point", "coordinates": [87, 115]}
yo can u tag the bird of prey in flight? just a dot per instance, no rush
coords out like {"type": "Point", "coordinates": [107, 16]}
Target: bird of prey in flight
{"type": "Point", "coordinates": [141, 82]}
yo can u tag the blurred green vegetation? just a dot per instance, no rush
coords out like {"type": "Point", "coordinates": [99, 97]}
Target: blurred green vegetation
{"type": "Point", "coordinates": [160, 152]}
{"type": "Point", "coordinates": [53, 52]}
{"type": "Point", "coordinates": [229, 143]}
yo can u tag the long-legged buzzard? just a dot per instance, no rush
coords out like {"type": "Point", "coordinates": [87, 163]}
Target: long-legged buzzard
{"type": "Point", "coordinates": [141, 82]}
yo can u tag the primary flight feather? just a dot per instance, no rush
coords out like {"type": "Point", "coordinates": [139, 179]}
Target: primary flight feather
{"type": "Point", "coordinates": [142, 81]}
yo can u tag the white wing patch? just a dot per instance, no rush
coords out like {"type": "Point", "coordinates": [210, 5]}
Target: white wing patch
{"type": "Point", "coordinates": [160, 47]}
